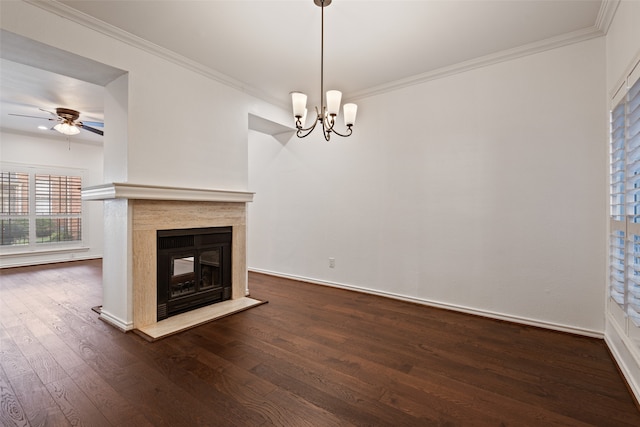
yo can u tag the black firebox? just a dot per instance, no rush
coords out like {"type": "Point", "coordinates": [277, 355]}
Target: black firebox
{"type": "Point", "coordinates": [194, 268]}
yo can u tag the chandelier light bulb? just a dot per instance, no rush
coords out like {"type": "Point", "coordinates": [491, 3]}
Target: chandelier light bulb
{"type": "Point", "coordinates": [299, 101]}
{"type": "Point", "coordinates": [350, 111]}
{"type": "Point", "coordinates": [333, 102]}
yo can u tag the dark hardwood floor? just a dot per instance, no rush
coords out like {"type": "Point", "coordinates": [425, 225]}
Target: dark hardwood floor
{"type": "Point", "coordinates": [312, 356]}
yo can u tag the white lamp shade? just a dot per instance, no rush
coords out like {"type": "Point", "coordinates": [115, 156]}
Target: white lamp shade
{"type": "Point", "coordinates": [333, 101]}
{"type": "Point", "coordinates": [350, 111]}
{"type": "Point", "coordinates": [67, 129]}
{"type": "Point", "coordinates": [299, 101]}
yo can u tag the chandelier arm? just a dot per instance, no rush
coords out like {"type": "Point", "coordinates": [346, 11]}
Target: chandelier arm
{"type": "Point", "coordinates": [300, 133]}
{"type": "Point", "coordinates": [300, 128]}
{"type": "Point", "coordinates": [329, 122]}
{"type": "Point", "coordinates": [344, 135]}
{"type": "Point", "coordinates": [328, 127]}
{"type": "Point", "coordinates": [326, 132]}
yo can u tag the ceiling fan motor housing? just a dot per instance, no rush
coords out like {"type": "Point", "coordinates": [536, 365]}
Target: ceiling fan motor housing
{"type": "Point", "coordinates": [67, 114]}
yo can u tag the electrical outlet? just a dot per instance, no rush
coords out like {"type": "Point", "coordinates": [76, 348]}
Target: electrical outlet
{"type": "Point", "coordinates": [332, 263]}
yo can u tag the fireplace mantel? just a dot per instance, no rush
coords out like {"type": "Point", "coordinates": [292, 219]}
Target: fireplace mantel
{"type": "Point", "coordinates": [152, 192]}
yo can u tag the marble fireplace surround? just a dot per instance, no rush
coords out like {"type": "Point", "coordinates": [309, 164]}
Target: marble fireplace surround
{"type": "Point", "coordinates": [161, 208]}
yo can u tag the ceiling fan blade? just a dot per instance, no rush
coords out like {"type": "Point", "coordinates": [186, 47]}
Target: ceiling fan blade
{"type": "Point", "coordinates": [90, 129]}
{"type": "Point", "coordinates": [33, 117]}
{"type": "Point", "coordinates": [47, 111]}
{"type": "Point", "coordinates": [96, 124]}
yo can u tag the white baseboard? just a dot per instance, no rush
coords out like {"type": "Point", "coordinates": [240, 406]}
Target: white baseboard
{"type": "Point", "coordinates": [625, 355]}
{"type": "Point", "coordinates": [24, 261]}
{"type": "Point", "coordinates": [447, 306]}
{"type": "Point", "coordinates": [115, 321]}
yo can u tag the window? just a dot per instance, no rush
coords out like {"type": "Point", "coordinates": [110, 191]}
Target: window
{"type": "Point", "coordinates": [15, 208]}
{"type": "Point", "coordinates": [58, 208]}
{"type": "Point", "coordinates": [39, 209]}
{"type": "Point", "coordinates": [624, 240]}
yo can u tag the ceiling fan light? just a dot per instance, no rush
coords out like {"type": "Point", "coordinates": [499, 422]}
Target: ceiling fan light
{"type": "Point", "coordinates": [66, 129]}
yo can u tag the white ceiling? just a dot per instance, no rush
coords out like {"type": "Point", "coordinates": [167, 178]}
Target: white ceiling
{"type": "Point", "coordinates": [26, 90]}
{"type": "Point", "coordinates": [271, 48]}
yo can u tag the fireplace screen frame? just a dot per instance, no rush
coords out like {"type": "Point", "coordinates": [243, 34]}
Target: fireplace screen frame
{"type": "Point", "coordinates": [188, 290]}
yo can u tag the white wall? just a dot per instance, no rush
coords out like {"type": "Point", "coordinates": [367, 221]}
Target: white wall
{"type": "Point", "coordinates": [481, 191]}
{"type": "Point", "coordinates": [623, 42]}
{"type": "Point", "coordinates": [623, 50]}
{"type": "Point", "coordinates": [184, 129]}
{"type": "Point", "coordinates": [56, 152]}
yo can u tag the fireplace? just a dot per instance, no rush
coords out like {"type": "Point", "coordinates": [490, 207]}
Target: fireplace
{"type": "Point", "coordinates": [135, 213]}
{"type": "Point", "coordinates": [194, 269]}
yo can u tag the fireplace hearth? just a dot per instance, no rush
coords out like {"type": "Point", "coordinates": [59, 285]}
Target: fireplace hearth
{"type": "Point", "coordinates": [194, 269]}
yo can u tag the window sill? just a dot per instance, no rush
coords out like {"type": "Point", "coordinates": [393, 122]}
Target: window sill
{"type": "Point", "coordinates": [36, 252]}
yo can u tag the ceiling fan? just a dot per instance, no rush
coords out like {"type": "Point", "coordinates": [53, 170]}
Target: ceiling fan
{"type": "Point", "coordinates": [68, 123]}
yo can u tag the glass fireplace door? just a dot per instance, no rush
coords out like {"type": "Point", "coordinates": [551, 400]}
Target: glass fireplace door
{"type": "Point", "coordinates": [193, 269]}
{"type": "Point", "coordinates": [210, 269]}
{"type": "Point", "coordinates": [183, 276]}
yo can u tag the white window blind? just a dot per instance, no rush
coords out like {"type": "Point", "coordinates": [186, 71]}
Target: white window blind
{"type": "Point", "coordinates": [624, 240]}
{"type": "Point", "coordinates": [617, 163]}
{"type": "Point", "coordinates": [14, 208]}
{"type": "Point", "coordinates": [617, 244]}
{"type": "Point", "coordinates": [39, 209]}
{"type": "Point", "coordinates": [58, 208]}
{"type": "Point", "coordinates": [632, 139]}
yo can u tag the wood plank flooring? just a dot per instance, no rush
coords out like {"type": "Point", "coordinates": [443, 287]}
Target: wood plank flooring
{"type": "Point", "coordinates": [312, 356]}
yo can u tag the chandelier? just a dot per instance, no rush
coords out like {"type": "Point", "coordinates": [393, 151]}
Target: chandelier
{"type": "Point", "coordinates": [327, 114]}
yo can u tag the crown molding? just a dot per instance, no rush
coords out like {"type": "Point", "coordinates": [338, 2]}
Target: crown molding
{"type": "Point", "coordinates": [606, 13]}
{"type": "Point", "coordinates": [483, 61]}
{"type": "Point", "coordinates": [603, 21]}
{"type": "Point", "coordinates": [114, 32]}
